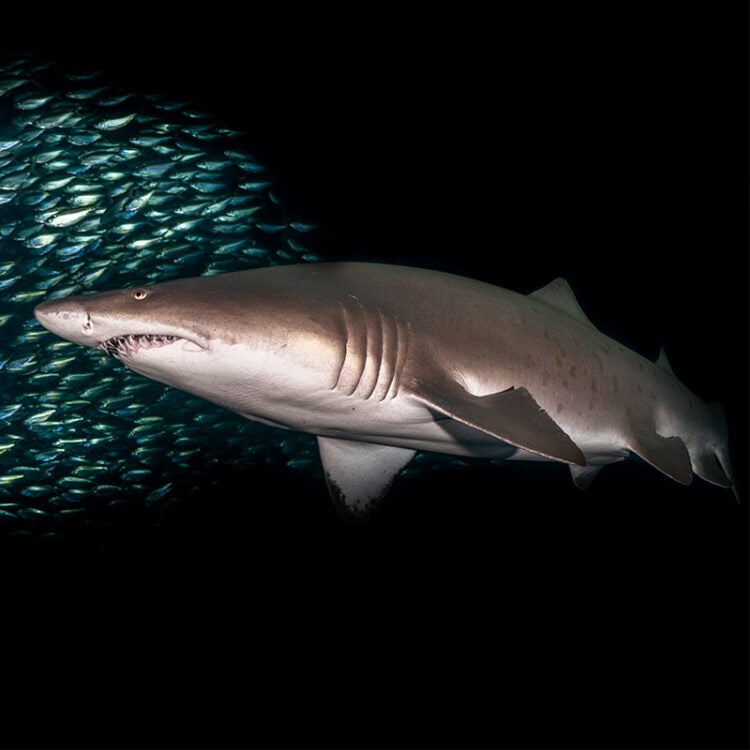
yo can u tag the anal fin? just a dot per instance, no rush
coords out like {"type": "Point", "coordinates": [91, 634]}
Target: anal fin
{"type": "Point", "coordinates": [359, 474]}
{"type": "Point", "coordinates": [583, 476]}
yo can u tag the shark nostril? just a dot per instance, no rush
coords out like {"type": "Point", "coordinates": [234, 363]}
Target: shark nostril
{"type": "Point", "coordinates": [88, 325]}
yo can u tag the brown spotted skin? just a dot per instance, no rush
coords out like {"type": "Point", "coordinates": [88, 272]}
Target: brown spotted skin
{"type": "Point", "coordinates": [356, 350]}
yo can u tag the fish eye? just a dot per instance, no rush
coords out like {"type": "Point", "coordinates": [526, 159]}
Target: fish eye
{"type": "Point", "coordinates": [140, 294]}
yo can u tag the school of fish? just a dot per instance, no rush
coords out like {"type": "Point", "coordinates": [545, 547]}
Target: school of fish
{"type": "Point", "coordinates": [101, 188]}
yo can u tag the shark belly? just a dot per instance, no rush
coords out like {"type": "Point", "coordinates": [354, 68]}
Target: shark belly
{"type": "Point", "coordinates": [403, 422]}
{"type": "Point", "coordinates": [302, 400]}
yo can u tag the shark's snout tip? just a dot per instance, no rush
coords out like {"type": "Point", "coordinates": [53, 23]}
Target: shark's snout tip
{"type": "Point", "coordinates": [62, 317]}
{"type": "Point", "coordinates": [40, 311]}
{"type": "Point", "coordinates": [44, 311]}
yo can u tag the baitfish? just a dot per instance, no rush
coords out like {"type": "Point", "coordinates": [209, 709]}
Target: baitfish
{"type": "Point", "coordinates": [380, 361]}
{"type": "Point", "coordinates": [87, 196]}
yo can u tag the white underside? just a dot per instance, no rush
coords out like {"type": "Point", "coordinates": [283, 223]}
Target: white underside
{"type": "Point", "coordinates": [404, 421]}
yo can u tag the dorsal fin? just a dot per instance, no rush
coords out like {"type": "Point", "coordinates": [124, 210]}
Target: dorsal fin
{"type": "Point", "coordinates": [559, 294]}
{"type": "Point", "coordinates": [663, 362]}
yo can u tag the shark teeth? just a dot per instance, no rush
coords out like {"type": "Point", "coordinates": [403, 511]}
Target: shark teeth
{"type": "Point", "coordinates": [119, 346]}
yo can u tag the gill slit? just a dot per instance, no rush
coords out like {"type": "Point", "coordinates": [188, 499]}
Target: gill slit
{"type": "Point", "coordinates": [403, 336]}
{"type": "Point", "coordinates": [373, 354]}
{"type": "Point", "coordinates": [354, 359]}
{"type": "Point", "coordinates": [388, 344]}
{"type": "Point", "coordinates": [345, 353]}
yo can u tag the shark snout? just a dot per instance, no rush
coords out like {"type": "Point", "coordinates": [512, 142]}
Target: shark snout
{"type": "Point", "coordinates": [68, 319]}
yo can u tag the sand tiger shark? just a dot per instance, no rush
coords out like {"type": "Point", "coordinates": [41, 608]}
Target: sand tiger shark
{"type": "Point", "coordinates": [380, 361]}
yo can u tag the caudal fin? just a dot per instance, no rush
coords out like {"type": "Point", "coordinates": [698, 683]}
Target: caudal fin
{"type": "Point", "coordinates": [711, 462]}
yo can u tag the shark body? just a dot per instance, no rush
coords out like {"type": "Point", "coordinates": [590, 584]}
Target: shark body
{"type": "Point", "coordinates": [380, 361]}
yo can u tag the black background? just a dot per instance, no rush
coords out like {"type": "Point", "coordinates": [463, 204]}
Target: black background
{"type": "Point", "coordinates": [483, 606]}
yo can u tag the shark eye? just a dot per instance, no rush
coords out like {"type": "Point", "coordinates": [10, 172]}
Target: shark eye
{"type": "Point", "coordinates": [140, 294]}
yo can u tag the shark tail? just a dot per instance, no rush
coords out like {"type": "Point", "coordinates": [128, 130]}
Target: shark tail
{"type": "Point", "coordinates": [711, 461]}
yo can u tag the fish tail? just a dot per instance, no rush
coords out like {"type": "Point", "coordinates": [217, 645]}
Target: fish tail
{"type": "Point", "coordinates": [712, 461]}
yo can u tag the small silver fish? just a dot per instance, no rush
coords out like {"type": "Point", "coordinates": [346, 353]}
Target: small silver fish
{"type": "Point", "coordinates": [37, 490]}
{"type": "Point", "coordinates": [83, 139]}
{"type": "Point", "coordinates": [55, 120]}
{"type": "Point", "coordinates": [154, 171]}
{"type": "Point", "coordinates": [82, 187]}
{"type": "Point", "coordinates": [12, 281]}
{"type": "Point", "coordinates": [46, 156]}
{"type": "Point", "coordinates": [301, 226]}
{"type": "Point", "coordinates": [237, 214]}
{"type": "Point", "coordinates": [83, 94]}
{"type": "Point", "coordinates": [113, 100]}
{"type": "Point", "coordinates": [23, 364]}
{"type": "Point", "coordinates": [137, 203]}
{"type": "Point", "coordinates": [56, 184]}
{"type": "Point", "coordinates": [68, 218]}
{"type": "Point", "coordinates": [254, 185]}
{"type": "Point", "coordinates": [27, 296]}
{"type": "Point", "coordinates": [158, 494]}
{"type": "Point", "coordinates": [6, 412]}
{"type": "Point", "coordinates": [115, 123]}
{"type": "Point", "coordinates": [97, 158]}
{"type": "Point", "coordinates": [86, 199]}
{"type": "Point", "coordinates": [205, 186]}
{"type": "Point", "coordinates": [32, 101]}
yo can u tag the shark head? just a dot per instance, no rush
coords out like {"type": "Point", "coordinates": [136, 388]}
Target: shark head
{"type": "Point", "coordinates": [158, 331]}
{"type": "Point", "coordinates": [217, 337]}
{"type": "Point", "coordinates": [175, 332]}
{"type": "Point", "coordinates": [142, 327]}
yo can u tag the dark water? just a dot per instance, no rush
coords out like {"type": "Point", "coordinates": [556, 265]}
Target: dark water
{"type": "Point", "coordinates": [103, 188]}
{"type": "Point", "coordinates": [218, 600]}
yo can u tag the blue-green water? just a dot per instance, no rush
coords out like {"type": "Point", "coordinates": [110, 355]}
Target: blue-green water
{"type": "Point", "coordinates": [101, 188]}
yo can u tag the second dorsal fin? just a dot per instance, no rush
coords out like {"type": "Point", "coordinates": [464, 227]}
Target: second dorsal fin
{"type": "Point", "coordinates": [663, 362]}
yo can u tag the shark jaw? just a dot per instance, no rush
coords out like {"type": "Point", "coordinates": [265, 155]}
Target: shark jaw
{"type": "Point", "coordinates": [116, 335]}
{"type": "Point", "coordinates": [129, 346]}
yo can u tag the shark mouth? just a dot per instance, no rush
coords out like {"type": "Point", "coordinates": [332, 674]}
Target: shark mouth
{"type": "Point", "coordinates": [127, 346]}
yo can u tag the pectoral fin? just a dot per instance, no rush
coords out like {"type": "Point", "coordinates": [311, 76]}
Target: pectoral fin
{"type": "Point", "coordinates": [512, 416]}
{"type": "Point", "coordinates": [583, 476]}
{"type": "Point", "coordinates": [359, 474]}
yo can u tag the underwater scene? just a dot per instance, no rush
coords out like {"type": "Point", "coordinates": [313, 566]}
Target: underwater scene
{"type": "Point", "coordinates": [102, 188]}
{"type": "Point", "coordinates": [174, 575]}
{"type": "Point", "coordinates": [98, 188]}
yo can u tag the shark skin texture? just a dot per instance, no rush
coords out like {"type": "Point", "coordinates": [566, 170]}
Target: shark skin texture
{"type": "Point", "coordinates": [380, 361]}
